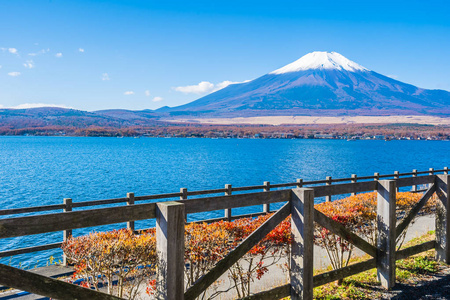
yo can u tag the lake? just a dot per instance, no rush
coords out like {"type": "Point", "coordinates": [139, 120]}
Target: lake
{"type": "Point", "coordinates": [44, 170]}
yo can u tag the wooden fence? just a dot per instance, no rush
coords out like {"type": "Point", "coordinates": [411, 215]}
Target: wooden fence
{"type": "Point", "coordinates": [298, 202]}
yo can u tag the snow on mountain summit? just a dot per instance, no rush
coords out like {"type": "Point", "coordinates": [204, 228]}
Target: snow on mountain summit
{"type": "Point", "coordinates": [320, 60]}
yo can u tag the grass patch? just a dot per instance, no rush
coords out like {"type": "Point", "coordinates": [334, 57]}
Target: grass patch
{"type": "Point", "coordinates": [366, 286]}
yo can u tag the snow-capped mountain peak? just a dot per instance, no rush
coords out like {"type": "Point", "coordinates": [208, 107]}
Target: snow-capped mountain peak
{"type": "Point", "coordinates": [321, 60]}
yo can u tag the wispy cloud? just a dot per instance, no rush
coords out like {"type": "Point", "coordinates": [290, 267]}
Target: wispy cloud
{"type": "Point", "coordinates": [127, 93]}
{"type": "Point", "coordinates": [58, 55]}
{"type": "Point", "coordinates": [147, 93]}
{"type": "Point", "coordinates": [14, 74]}
{"type": "Point", "coordinates": [204, 87]}
{"type": "Point", "coordinates": [29, 64]}
{"type": "Point", "coordinates": [40, 52]}
{"type": "Point", "coordinates": [36, 105]}
{"type": "Point", "coordinates": [105, 76]}
{"type": "Point", "coordinates": [81, 50]}
{"type": "Point", "coordinates": [157, 99]}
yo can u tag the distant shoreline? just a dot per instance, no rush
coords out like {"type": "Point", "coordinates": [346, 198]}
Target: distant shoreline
{"type": "Point", "coordinates": [306, 120]}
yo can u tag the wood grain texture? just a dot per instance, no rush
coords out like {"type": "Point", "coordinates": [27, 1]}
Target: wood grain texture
{"type": "Point", "coordinates": [76, 219]}
{"type": "Point", "coordinates": [386, 200]}
{"type": "Point", "coordinates": [241, 200]}
{"type": "Point", "coordinates": [46, 286]}
{"type": "Point", "coordinates": [302, 249]}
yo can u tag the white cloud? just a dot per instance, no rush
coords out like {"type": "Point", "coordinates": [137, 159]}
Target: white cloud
{"type": "Point", "coordinates": [40, 52]}
{"type": "Point", "coordinates": [80, 50]}
{"type": "Point", "coordinates": [147, 92]}
{"type": "Point", "coordinates": [29, 64]}
{"type": "Point", "coordinates": [13, 51]}
{"type": "Point", "coordinates": [14, 74]}
{"type": "Point", "coordinates": [105, 76]}
{"type": "Point", "coordinates": [205, 87]}
{"type": "Point", "coordinates": [35, 105]}
{"type": "Point", "coordinates": [157, 99]}
{"type": "Point", "coordinates": [128, 93]}
{"type": "Point", "coordinates": [58, 55]}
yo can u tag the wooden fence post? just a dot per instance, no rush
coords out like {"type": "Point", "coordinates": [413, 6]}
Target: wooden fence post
{"type": "Point", "coordinates": [228, 193]}
{"type": "Point", "coordinates": [431, 173]}
{"type": "Point", "coordinates": [184, 196]}
{"type": "Point", "coordinates": [302, 254]}
{"type": "Point", "coordinates": [67, 233]}
{"type": "Point", "coordinates": [396, 176]}
{"type": "Point", "coordinates": [328, 198]}
{"type": "Point", "coordinates": [170, 250]}
{"type": "Point", "coordinates": [130, 201]}
{"type": "Point", "coordinates": [386, 222]}
{"type": "Point", "coordinates": [414, 187]}
{"type": "Point", "coordinates": [266, 207]}
{"type": "Point", "coordinates": [443, 218]}
{"type": "Point", "coordinates": [354, 179]}
{"type": "Point", "coordinates": [299, 183]}
{"type": "Point", "coordinates": [446, 170]}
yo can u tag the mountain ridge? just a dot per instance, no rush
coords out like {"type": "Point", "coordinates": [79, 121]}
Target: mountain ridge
{"type": "Point", "coordinates": [319, 83]}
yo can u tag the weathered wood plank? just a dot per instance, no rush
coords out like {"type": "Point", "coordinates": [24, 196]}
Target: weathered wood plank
{"type": "Point", "coordinates": [170, 250]}
{"type": "Point", "coordinates": [339, 229]}
{"type": "Point", "coordinates": [345, 188]}
{"type": "Point", "coordinates": [222, 266]}
{"type": "Point", "coordinates": [76, 219]}
{"type": "Point", "coordinates": [46, 286]}
{"type": "Point", "coordinates": [409, 181]}
{"type": "Point", "coordinates": [386, 198]}
{"type": "Point", "coordinates": [206, 192]}
{"type": "Point", "coordinates": [413, 250]}
{"type": "Point", "coordinates": [23, 210]}
{"type": "Point", "coordinates": [302, 247]}
{"type": "Point", "coordinates": [29, 249]}
{"type": "Point", "coordinates": [443, 218]}
{"type": "Point", "coordinates": [242, 200]}
{"type": "Point", "coordinates": [413, 212]}
{"type": "Point", "coordinates": [99, 202]}
{"type": "Point", "coordinates": [347, 271]}
{"type": "Point", "coordinates": [275, 293]}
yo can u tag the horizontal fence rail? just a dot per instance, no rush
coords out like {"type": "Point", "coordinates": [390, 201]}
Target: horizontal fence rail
{"type": "Point", "coordinates": [68, 220]}
{"type": "Point", "coordinates": [320, 191]}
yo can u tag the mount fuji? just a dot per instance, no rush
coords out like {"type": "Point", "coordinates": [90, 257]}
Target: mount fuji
{"type": "Point", "coordinates": [319, 83]}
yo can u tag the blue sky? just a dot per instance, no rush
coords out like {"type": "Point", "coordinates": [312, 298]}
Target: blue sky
{"type": "Point", "coordinates": [94, 55]}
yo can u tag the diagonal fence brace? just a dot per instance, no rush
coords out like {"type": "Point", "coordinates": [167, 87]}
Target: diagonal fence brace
{"type": "Point", "coordinates": [340, 230]}
{"type": "Point", "coordinates": [413, 212]}
{"type": "Point", "coordinates": [46, 286]}
{"type": "Point", "coordinates": [246, 245]}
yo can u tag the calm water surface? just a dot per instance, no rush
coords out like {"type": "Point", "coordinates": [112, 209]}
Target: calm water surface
{"type": "Point", "coordinates": [44, 170]}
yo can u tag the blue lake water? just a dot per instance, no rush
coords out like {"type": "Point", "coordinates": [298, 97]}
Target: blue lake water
{"type": "Point", "coordinates": [44, 170]}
